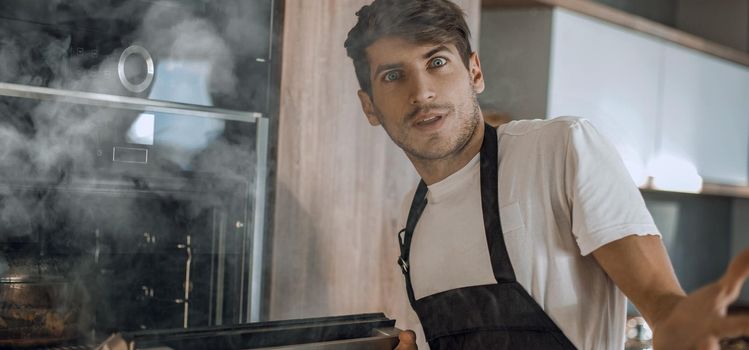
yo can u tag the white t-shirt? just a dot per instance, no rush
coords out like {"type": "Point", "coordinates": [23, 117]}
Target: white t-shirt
{"type": "Point", "coordinates": [563, 193]}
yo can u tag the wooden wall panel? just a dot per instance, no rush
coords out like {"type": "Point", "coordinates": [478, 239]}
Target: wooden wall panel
{"type": "Point", "coordinates": [340, 182]}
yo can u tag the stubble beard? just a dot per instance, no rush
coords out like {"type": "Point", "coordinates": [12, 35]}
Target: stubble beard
{"type": "Point", "coordinates": [441, 148]}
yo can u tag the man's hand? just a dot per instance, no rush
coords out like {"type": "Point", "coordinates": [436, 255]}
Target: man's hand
{"type": "Point", "coordinates": [407, 340]}
{"type": "Point", "coordinates": [699, 321]}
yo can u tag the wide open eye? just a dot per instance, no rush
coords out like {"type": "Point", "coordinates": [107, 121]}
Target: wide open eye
{"type": "Point", "coordinates": [438, 62]}
{"type": "Point", "coordinates": [392, 75]}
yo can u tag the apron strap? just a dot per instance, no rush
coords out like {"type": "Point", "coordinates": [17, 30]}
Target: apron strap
{"type": "Point", "coordinates": [406, 235]}
{"type": "Point", "coordinates": [501, 264]}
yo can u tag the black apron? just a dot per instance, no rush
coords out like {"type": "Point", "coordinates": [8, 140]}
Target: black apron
{"type": "Point", "coordinates": [492, 316]}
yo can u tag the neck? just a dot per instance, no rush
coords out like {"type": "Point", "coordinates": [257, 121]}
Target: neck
{"type": "Point", "coordinates": [433, 171]}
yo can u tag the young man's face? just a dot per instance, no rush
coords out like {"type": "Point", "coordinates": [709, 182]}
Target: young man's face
{"type": "Point", "coordinates": [423, 95]}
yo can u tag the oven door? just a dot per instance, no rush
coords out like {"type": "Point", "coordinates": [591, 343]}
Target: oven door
{"type": "Point", "coordinates": [154, 213]}
{"type": "Point", "coordinates": [135, 140]}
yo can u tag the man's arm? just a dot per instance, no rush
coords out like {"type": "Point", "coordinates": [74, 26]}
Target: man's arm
{"type": "Point", "coordinates": [640, 267]}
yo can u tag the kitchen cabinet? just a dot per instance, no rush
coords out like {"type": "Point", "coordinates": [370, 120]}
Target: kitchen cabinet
{"type": "Point", "coordinates": [610, 76]}
{"type": "Point", "coordinates": [667, 109]}
{"type": "Point", "coordinates": [705, 113]}
{"type": "Point", "coordinates": [723, 22]}
{"type": "Point", "coordinates": [515, 61]}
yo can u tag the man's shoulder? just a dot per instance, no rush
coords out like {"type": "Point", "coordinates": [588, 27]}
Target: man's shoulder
{"type": "Point", "coordinates": [559, 125]}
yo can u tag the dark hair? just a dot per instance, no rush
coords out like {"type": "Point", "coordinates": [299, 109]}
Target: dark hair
{"type": "Point", "coordinates": [419, 21]}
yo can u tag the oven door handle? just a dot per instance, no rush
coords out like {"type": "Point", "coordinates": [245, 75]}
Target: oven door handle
{"type": "Point", "coordinates": [188, 263]}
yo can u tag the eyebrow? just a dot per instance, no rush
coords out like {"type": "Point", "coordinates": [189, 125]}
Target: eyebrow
{"type": "Point", "coordinates": [436, 50]}
{"type": "Point", "coordinates": [384, 67]}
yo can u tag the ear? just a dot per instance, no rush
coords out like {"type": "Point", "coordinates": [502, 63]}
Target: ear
{"type": "Point", "coordinates": [477, 77]}
{"type": "Point", "coordinates": [368, 107]}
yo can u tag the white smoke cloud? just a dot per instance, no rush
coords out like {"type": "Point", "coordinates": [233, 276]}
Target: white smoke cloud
{"type": "Point", "coordinates": [57, 142]}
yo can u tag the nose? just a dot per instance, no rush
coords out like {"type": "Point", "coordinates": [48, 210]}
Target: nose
{"type": "Point", "coordinates": [422, 89]}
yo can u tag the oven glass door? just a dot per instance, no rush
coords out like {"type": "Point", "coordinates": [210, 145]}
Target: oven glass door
{"type": "Point", "coordinates": [155, 215]}
{"type": "Point", "coordinates": [134, 144]}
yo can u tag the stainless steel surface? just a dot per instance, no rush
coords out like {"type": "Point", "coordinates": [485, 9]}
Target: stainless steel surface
{"type": "Point", "coordinates": [188, 281]}
{"type": "Point", "coordinates": [135, 50]}
{"type": "Point", "coordinates": [123, 102]}
{"type": "Point", "coordinates": [355, 332]}
{"type": "Point", "coordinates": [259, 228]}
{"type": "Point", "coordinates": [22, 278]}
{"type": "Point", "coordinates": [211, 279]}
{"type": "Point", "coordinates": [142, 151]}
{"type": "Point", "coordinates": [220, 253]}
{"type": "Point", "coordinates": [97, 245]}
{"type": "Point", "coordinates": [381, 339]}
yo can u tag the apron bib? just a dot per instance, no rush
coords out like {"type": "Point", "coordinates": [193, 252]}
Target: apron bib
{"type": "Point", "coordinates": [493, 316]}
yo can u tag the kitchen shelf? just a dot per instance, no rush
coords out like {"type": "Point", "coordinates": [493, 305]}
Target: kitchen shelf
{"type": "Point", "coordinates": [710, 189]}
{"type": "Point", "coordinates": [631, 21]}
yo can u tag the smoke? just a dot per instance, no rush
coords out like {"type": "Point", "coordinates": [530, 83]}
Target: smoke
{"type": "Point", "coordinates": [185, 39]}
{"type": "Point", "coordinates": [61, 193]}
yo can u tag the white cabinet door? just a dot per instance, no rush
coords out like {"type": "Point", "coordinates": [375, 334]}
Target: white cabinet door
{"type": "Point", "coordinates": [609, 75]}
{"type": "Point", "coordinates": [705, 114]}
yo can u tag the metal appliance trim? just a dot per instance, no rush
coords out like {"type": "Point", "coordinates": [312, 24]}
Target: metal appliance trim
{"type": "Point", "coordinates": [146, 56]}
{"type": "Point", "coordinates": [104, 187]}
{"type": "Point", "coordinates": [349, 328]}
{"type": "Point", "coordinates": [221, 271]}
{"type": "Point", "coordinates": [116, 160]}
{"type": "Point", "coordinates": [270, 32]}
{"type": "Point", "coordinates": [125, 102]}
{"type": "Point", "coordinates": [188, 281]}
{"type": "Point", "coordinates": [32, 279]}
{"type": "Point", "coordinates": [381, 339]}
{"type": "Point", "coordinates": [258, 232]}
{"type": "Point", "coordinates": [211, 287]}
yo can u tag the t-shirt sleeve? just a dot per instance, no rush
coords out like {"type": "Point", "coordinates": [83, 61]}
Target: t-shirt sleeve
{"type": "Point", "coordinates": [605, 202]}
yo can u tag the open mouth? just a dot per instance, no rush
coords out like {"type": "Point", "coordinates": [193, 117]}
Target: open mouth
{"type": "Point", "coordinates": [429, 121]}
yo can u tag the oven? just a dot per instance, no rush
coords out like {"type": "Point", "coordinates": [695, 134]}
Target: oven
{"type": "Point", "coordinates": [135, 154]}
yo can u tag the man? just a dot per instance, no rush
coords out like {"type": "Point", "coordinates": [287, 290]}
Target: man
{"type": "Point", "coordinates": [523, 237]}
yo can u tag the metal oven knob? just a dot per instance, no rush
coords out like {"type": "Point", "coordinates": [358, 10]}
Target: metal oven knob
{"type": "Point", "coordinates": [142, 53]}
